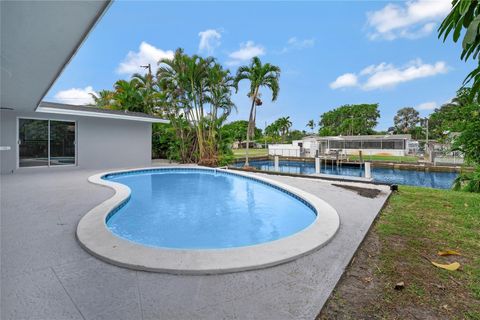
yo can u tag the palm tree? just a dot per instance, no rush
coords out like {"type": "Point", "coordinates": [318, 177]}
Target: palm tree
{"type": "Point", "coordinates": [260, 75]}
{"type": "Point", "coordinates": [185, 78]}
{"type": "Point", "coordinates": [127, 96]}
{"type": "Point", "coordinates": [311, 124]}
{"type": "Point", "coordinates": [199, 90]}
{"type": "Point", "coordinates": [104, 99]}
{"type": "Point", "coordinates": [218, 94]}
{"type": "Point", "coordinates": [284, 124]}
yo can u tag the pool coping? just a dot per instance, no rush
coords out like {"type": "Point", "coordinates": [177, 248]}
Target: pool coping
{"type": "Point", "coordinates": [95, 237]}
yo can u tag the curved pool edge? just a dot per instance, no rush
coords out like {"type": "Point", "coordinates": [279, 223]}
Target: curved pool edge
{"type": "Point", "coordinates": [94, 236]}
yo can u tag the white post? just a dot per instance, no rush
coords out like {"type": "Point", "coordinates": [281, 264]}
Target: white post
{"type": "Point", "coordinates": [368, 172]}
{"type": "Point", "coordinates": [317, 165]}
{"type": "Point", "coordinates": [276, 164]}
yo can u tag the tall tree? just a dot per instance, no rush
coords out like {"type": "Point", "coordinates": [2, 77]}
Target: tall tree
{"type": "Point", "coordinates": [283, 124]}
{"type": "Point", "coordinates": [455, 115]}
{"type": "Point", "coordinates": [237, 131]}
{"type": "Point", "coordinates": [104, 99]}
{"type": "Point", "coordinates": [199, 90]}
{"type": "Point", "coordinates": [349, 120]}
{"type": "Point", "coordinates": [465, 14]}
{"type": "Point", "coordinates": [259, 75]}
{"type": "Point", "coordinates": [311, 124]}
{"type": "Point", "coordinates": [406, 120]}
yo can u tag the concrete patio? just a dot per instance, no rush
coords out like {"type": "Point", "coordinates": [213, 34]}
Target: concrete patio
{"type": "Point", "coordinates": [46, 275]}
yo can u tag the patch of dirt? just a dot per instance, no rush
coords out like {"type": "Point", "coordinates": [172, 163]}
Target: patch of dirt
{"type": "Point", "coordinates": [364, 192]}
{"type": "Point", "coordinates": [367, 288]}
{"type": "Point", "coordinates": [359, 289]}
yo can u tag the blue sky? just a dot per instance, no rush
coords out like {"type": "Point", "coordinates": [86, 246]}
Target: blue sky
{"type": "Point", "coordinates": [330, 53]}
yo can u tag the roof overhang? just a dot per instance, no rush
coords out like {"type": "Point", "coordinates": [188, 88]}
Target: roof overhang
{"type": "Point", "coordinates": [38, 39]}
{"type": "Point", "coordinates": [94, 112]}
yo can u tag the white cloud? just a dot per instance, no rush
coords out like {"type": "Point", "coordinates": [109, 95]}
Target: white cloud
{"type": "Point", "coordinates": [77, 96]}
{"type": "Point", "coordinates": [390, 76]}
{"type": "Point", "coordinates": [411, 20]}
{"type": "Point", "coordinates": [147, 54]}
{"type": "Point", "coordinates": [386, 75]}
{"type": "Point", "coordinates": [247, 51]}
{"type": "Point", "coordinates": [345, 80]}
{"type": "Point", "coordinates": [427, 106]}
{"type": "Point", "coordinates": [209, 41]}
{"type": "Point", "coordinates": [298, 44]}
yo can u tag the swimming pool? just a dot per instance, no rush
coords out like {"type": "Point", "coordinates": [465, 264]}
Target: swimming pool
{"type": "Point", "coordinates": [204, 209]}
{"type": "Point", "coordinates": [194, 220]}
{"type": "Point", "coordinates": [439, 180]}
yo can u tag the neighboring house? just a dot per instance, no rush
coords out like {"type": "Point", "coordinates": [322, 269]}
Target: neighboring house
{"type": "Point", "coordinates": [310, 146]}
{"type": "Point", "coordinates": [38, 40]}
{"type": "Point", "coordinates": [243, 145]}
{"type": "Point", "coordinates": [442, 153]}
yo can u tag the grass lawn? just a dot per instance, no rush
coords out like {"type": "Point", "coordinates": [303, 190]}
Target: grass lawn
{"type": "Point", "coordinates": [407, 159]}
{"type": "Point", "coordinates": [240, 153]}
{"type": "Point", "coordinates": [413, 227]}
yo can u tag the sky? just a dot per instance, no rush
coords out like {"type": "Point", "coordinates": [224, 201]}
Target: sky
{"type": "Point", "coordinates": [330, 53]}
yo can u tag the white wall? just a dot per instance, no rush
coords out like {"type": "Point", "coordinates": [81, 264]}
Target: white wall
{"type": "Point", "coordinates": [286, 150]}
{"type": "Point", "coordinates": [366, 152]}
{"type": "Point", "coordinates": [101, 142]}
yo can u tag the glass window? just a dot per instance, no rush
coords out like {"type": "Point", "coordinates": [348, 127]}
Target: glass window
{"type": "Point", "coordinates": [399, 144]}
{"type": "Point", "coordinates": [372, 144]}
{"type": "Point", "coordinates": [62, 143]}
{"type": "Point", "coordinates": [390, 144]}
{"type": "Point", "coordinates": [33, 142]}
{"type": "Point", "coordinates": [353, 144]}
{"type": "Point", "coordinates": [336, 144]}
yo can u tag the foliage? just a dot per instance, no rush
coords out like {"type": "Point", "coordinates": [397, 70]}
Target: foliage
{"type": "Point", "coordinates": [311, 124]}
{"type": "Point", "coordinates": [194, 93]}
{"type": "Point", "coordinates": [455, 115]}
{"type": "Point", "coordinates": [237, 131]}
{"type": "Point", "coordinates": [283, 124]}
{"type": "Point", "coordinates": [465, 15]}
{"type": "Point", "coordinates": [198, 89]}
{"type": "Point", "coordinates": [349, 120]}
{"type": "Point", "coordinates": [468, 181]}
{"type": "Point", "coordinates": [272, 130]}
{"type": "Point", "coordinates": [260, 76]}
{"type": "Point", "coordinates": [165, 144]}
{"type": "Point", "coordinates": [406, 120]}
{"type": "Point", "coordinates": [469, 141]}
{"type": "Point", "coordinates": [279, 129]}
{"type": "Point", "coordinates": [137, 95]}
{"type": "Point", "coordinates": [296, 135]}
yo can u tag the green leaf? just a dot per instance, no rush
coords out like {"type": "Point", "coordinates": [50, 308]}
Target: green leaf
{"type": "Point", "coordinates": [458, 30]}
{"type": "Point", "coordinates": [471, 33]}
{"type": "Point", "coordinates": [468, 17]}
{"type": "Point", "coordinates": [464, 6]}
{"type": "Point", "coordinates": [477, 49]}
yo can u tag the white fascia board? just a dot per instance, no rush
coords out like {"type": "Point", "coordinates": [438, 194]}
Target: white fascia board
{"type": "Point", "coordinates": [99, 115]}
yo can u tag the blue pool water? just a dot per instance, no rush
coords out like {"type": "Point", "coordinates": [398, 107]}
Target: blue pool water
{"type": "Point", "coordinates": [201, 209]}
{"type": "Point", "coordinates": [439, 180]}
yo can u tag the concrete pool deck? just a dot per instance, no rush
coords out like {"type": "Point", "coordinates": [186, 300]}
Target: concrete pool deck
{"type": "Point", "coordinates": [45, 274]}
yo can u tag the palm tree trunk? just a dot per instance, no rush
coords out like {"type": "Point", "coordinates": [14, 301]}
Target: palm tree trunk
{"type": "Point", "coordinates": [250, 123]}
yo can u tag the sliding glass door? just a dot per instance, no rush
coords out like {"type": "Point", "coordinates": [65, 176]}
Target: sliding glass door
{"type": "Point", "coordinates": [33, 148]}
{"type": "Point", "coordinates": [46, 142]}
{"type": "Point", "coordinates": [62, 143]}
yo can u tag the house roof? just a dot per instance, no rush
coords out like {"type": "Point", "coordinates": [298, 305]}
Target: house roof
{"type": "Point", "coordinates": [87, 111]}
{"type": "Point", "coordinates": [365, 137]}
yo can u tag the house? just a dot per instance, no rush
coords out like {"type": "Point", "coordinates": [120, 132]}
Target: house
{"type": "Point", "coordinates": [38, 40]}
{"type": "Point", "coordinates": [310, 146]}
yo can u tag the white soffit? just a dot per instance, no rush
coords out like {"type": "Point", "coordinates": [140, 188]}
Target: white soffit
{"type": "Point", "coordinates": [38, 39]}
